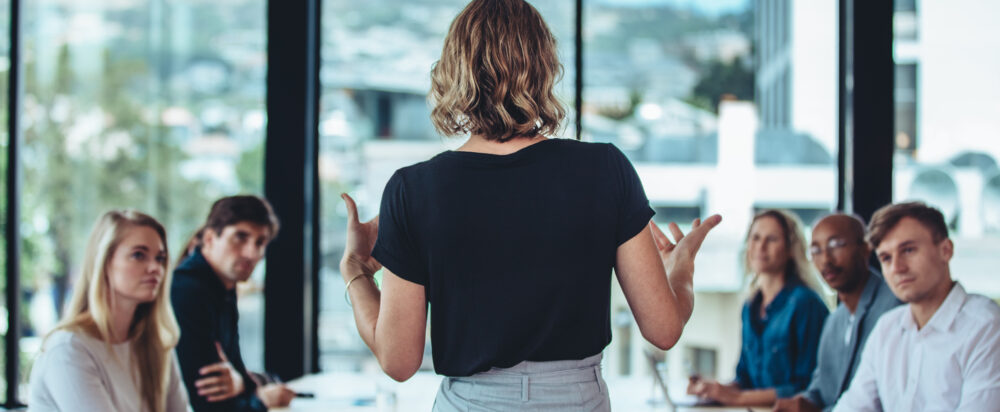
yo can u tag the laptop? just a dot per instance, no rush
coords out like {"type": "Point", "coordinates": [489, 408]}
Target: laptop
{"type": "Point", "coordinates": [673, 402]}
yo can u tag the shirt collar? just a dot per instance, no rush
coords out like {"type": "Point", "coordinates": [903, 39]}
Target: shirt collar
{"type": "Point", "coordinates": [198, 265]}
{"type": "Point", "coordinates": [777, 304]}
{"type": "Point", "coordinates": [944, 316]}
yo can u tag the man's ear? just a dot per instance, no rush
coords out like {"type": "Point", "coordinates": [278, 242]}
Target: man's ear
{"type": "Point", "coordinates": [947, 249]}
{"type": "Point", "coordinates": [208, 238]}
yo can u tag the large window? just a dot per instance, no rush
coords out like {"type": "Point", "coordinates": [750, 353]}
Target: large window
{"type": "Point", "coordinates": [4, 142]}
{"type": "Point", "coordinates": [726, 106]}
{"type": "Point", "coordinates": [374, 119]}
{"type": "Point", "coordinates": [723, 107]}
{"type": "Point", "coordinates": [947, 142]}
{"type": "Point", "coordinates": [144, 104]}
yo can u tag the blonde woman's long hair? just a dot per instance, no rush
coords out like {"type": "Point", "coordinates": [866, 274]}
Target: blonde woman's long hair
{"type": "Point", "coordinates": [496, 73]}
{"type": "Point", "coordinates": [153, 331]}
{"type": "Point", "coordinates": [798, 267]}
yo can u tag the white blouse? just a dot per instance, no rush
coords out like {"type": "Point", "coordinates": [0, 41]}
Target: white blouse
{"type": "Point", "coordinates": [75, 372]}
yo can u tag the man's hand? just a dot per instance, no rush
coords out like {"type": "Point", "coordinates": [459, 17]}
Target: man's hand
{"type": "Point", "coordinates": [221, 381]}
{"type": "Point", "coordinates": [795, 404]}
{"type": "Point", "coordinates": [275, 395]}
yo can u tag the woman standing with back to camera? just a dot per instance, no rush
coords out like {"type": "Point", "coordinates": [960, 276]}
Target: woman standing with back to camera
{"type": "Point", "coordinates": [512, 238]}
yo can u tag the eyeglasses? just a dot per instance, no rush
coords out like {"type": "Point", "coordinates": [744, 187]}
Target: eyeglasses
{"type": "Point", "coordinates": [831, 245]}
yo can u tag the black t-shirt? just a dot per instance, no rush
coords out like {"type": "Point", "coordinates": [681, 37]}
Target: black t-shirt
{"type": "Point", "coordinates": [515, 251]}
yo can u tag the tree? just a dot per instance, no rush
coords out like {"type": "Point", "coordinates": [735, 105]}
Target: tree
{"type": "Point", "coordinates": [72, 173]}
{"type": "Point", "coordinates": [723, 78]}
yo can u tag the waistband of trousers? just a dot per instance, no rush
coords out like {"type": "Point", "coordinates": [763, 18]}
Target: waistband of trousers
{"type": "Point", "coordinates": [557, 372]}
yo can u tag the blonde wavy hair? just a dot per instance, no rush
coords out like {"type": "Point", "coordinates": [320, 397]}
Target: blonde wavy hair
{"type": "Point", "coordinates": [153, 331]}
{"type": "Point", "coordinates": [798, 267]}
{"type": "Point", "coordinates": [496, 74]}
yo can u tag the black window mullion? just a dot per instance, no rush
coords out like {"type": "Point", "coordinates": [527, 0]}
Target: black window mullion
{"type": "Point", "coordinates": [578, 67]}
{"type": "Point", "coordinates": [866, 106]}
{"type": "Point", "coordinates": [13, 196]}
{"type": "Point", "coordinates": [844, 105]}
{"type": "Point", "coordinates": [291, 184]}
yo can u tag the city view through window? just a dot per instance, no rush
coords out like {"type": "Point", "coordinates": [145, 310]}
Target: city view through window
{"type": "Point", "coordinates": [672, 84]}
{"type": "Point", "coordinates": [947, 129]}
{"type": "Point", "coordinates": [143, 104]}
{"type": "Point", "coordinates": [723, 106]}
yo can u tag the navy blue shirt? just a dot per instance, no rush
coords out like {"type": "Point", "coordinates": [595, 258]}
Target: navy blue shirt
{"type": "Point", "coordinates": [515, 251]}
{"type": "Point", "coordinates": [779, 350]}
{"type": "Point", "coordinates": [206, 313]}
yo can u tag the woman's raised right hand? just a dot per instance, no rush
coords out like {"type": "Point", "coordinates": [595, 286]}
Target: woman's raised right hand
{"type": "Point", "coordinates": [682, 251]}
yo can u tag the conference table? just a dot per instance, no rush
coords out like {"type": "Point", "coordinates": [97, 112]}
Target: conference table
{"type": "Point", "coordinates": [375, 392]}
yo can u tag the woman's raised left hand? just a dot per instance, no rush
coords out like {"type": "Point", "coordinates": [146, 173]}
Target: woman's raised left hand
{"type": "Point", "coordinates": [361, 237]}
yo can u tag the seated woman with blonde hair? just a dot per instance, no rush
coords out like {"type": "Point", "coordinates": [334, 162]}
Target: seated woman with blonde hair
{"type": "Point", "coordinates": [113, 351]}
{"type": "Point", "coordinates": [782, 317]}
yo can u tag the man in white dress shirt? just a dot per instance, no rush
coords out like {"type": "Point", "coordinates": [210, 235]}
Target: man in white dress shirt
{"type": "Point", "coordinates": [941, 351]}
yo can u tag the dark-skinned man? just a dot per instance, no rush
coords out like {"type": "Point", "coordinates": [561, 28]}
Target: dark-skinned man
{"type": "Point", "coordinates": [840, 254]}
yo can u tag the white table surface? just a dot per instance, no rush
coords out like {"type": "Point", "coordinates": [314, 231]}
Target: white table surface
{"type": "Point", "coordinates": [370, 392]}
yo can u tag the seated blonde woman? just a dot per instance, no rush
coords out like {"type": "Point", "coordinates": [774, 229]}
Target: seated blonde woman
{"type": "Point", "coordinates": [114, 349]}
{"type": "Point", "coordinates": [782, 318]}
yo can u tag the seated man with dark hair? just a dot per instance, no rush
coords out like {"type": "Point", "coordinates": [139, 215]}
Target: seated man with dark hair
{"type": "Point", "coordinates": [941, 351]}
{"type": "Point", "coordinates": [840, 254]}
{"type": "Point", "coordinates": [223, 252]}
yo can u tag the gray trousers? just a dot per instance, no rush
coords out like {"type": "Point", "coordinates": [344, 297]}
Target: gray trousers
{"type": "Point", "coordinates": [566, 385]}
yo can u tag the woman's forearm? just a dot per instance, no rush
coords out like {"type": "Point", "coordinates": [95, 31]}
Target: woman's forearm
{"type": "Point", "coordinates": [365, 302]}
{"type": "Point", "coordinates": [680, 278]}
{"type": "Point", "coordinates": [756, 397]}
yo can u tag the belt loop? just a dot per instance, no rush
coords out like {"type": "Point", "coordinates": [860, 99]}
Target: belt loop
{"type": "Point", "coordinates": [597, 375]}
{"type": "Point", "coordinates": [447, 383]}
{"type": "Point", "coordinates": [525, 387]}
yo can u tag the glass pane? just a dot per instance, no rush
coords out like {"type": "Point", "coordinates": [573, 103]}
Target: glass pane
{"type": "Point", "coordinates": [725, 106]}
{"type": "Point", "coordinates": [151, 105]}
{"type": "Point", "coordinates": [947, 145]}
{"type": "Point", "coordinates": [4, 142]}
{"type": "Point", "coordinates": [374, 119]}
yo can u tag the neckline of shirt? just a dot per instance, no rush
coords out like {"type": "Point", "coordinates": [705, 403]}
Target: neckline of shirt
{"type": "Point", "coordinates": [944, 316]}
{"type": "Point", "coordinates": [500, 158]}
{"type": "Point", "coordinates": [93, 340]}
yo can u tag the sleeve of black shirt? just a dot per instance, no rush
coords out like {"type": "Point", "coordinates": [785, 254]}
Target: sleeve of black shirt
{"type": "Point", "coordinates": [196, 349]}
{"type": "Point", "coordinates": [248, 400]}
{"type": "Point", "coordinates": [395, 247]}
{"type": "Point", "coordinates": [634, 211]}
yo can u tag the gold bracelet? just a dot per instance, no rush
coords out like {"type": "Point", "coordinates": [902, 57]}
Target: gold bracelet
{"type": "Point", "coordinates": [347, 288]}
